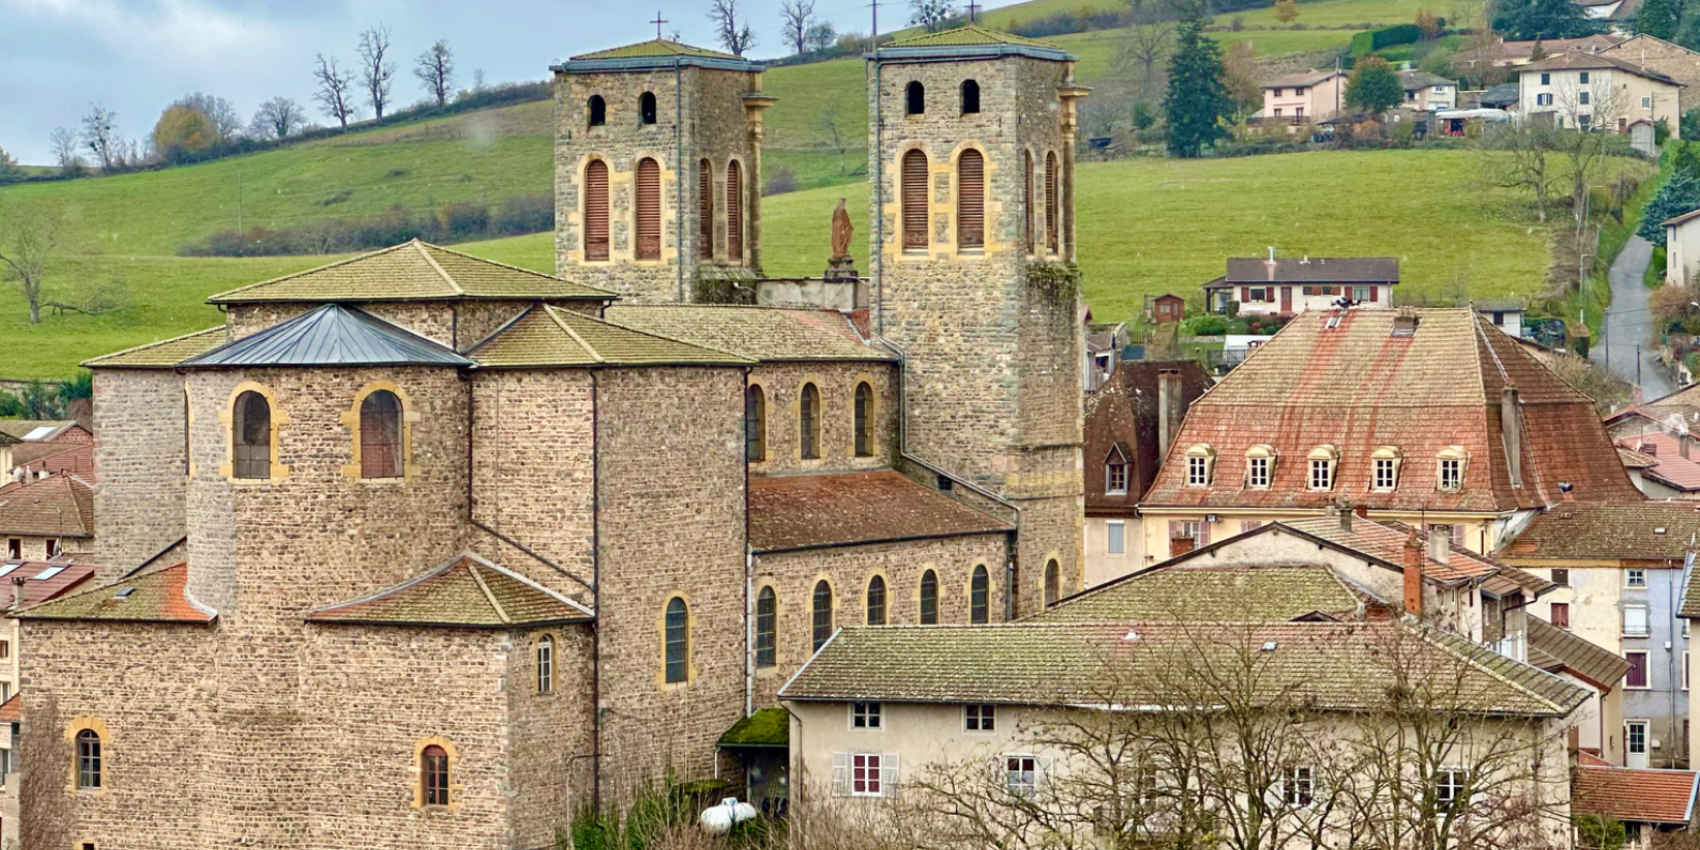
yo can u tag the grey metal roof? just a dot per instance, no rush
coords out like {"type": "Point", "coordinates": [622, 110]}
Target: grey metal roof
{"type": "Point", "coordinates": [330, 335]}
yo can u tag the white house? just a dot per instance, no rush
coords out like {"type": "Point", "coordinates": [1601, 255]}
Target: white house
{"type": "Point", "coordinates": [1682, 248]}
{"type": "Point", "coordinates": [1305, 96]}
{"type": "Point", "coordinates": [1284, 287]}
{"type": "Point", "coordinates": [1427, 92]}
{"type": "Point", "coordinates": [1596, 90]}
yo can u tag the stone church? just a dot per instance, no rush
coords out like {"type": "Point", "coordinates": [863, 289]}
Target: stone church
{"type": "Point", "coordinates": [422, 550]}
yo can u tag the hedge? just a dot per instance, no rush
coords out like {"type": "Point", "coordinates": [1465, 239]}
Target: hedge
{"type": "Point", "coordinates": [1365, 43]}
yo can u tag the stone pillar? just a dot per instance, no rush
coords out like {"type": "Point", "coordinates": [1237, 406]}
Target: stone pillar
{"type": "Point", "coordinates": [753, 106]}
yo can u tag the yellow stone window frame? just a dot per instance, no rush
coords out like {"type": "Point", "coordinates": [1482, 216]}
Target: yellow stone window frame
{"type": "Point", "coordinates": [98, 726]}
{"type": "Point", "coordinates": [690, 643]}
{"type": "Point", "coordinates": [351, 421]}
{"type": "Point", "coordinates": [227, 419]}
{"type": "Point", "coordinates": [419, 773]}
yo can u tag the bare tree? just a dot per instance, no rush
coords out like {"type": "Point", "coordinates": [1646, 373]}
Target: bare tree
{"type": "Point", "coordinates": [29, 244]}
{"type": "Point", "coordinates": [931, 15]}
{"type": "Point", "coordinates": [1519, 157]}
{"type": "Point", "coordinates": [48, 811]}
{"type": "Point", "coordinates": [223, 115]}
{"type": "Point", "coordinates": [831, 124]}
{"type": "Point", "coordinates": [798, 17]}
{"type": "Point", "coordinates": [376, 71]}
{"type": "Point", "coordinates": [435, 68]}
{"type": "Point", "coordinates": [100, 136]}
{"type": "Point", "coordinates": [1143, 52]}
{"type": "Point", "coordinates": [335, 89]}
{"type": "Point", "coordinates": [1590, 110]}
{"type": "Point", "coordinates": [734, 35]}
{"type": "Point", "coordinates": [63, 143]}
{"type": "Point", "coordinates": [278, 118]}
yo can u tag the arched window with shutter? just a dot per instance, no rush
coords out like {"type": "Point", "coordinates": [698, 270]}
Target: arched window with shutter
{"type": "Point", "coordinates": [596, 210]}
{"type": "Point", "coordinates": [380, 435]}
{"type": "Point", "coordinates": [705, 210]}
{"type": "Point", "coordinates": [646, 107]}
{"type": "Point", "coordinates": [929, 598]}
{"type": "Point", "coordinates": [822, 614]}
{"type": "Point", "coordinates": [979, 596]}
{"type": "Point", "coordinates": [755, 424]}
{"type": "Point", "coordinates": [596, 111]}
{"type": "Point", "coordinates": [876, 601]}
{"type": "Point", "coordinates": [1027, 199]}
{"type": "Point", "coordinates": [767, 628]}
{"type": "Point", "coordinates": [735, 212]}
{"type": "Point", "coordinates": [970, 200]}
{"type": "Point", "coordinates": [1051, 224]}
{"type": "Point", "coordinates": [1053, 582]}
{"type": "Point", "coordinates": [808, 422]}
{"type": "Point", "coordinates": [648, 209]}
{"type": "Point", "coordinates": [864, 409]}
{"type": "Point", "coordinates": [545, 664]}
{"type": "Point", "coordinates": [914, 195]}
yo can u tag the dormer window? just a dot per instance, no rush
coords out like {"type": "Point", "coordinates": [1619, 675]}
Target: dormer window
{"type": "Point", "coordinates": [1115, 473]}
{"type": "Point", "coordinates": [1200, 465]}
{"type": "Point", "coordinates": [1323, 461]}
{"type": "Point", "coordinates": [1449, 469]}
{"type": "Point", "coordinates": [1385, 464]}
{"type": "Point", "coordinates": [1259, 466]}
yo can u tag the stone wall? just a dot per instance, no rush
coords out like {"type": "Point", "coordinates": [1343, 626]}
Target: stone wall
{"type": "Point", "coordinates": [1674, 61]}
{"type": "Point", "coordinates": [549, 735]}
{"type": "Point", "coordinates": [782, 384]}
{"type": "Point", "coordinates": [139, 453]}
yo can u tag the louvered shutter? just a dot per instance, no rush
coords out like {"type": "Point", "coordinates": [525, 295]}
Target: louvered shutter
{"type": "Point", "coordinates": [705, 210]}
{"type": "Point", "coordinates": [915, 200]}
{"type": "Point", "coordinates": [1203, 534]}
{"type": "Point", "coordinates": [1027, 199]}
{"type": "Point", "coordinates": [596, 210]}
{"type": "Point", "coordinates": [648, 210]}
{"type": "Point", "coordinates": [735, 212]}
{"type": "Point", "coordinates": [840, 774]}
{"type": "Point", "coordinates": [1051, 202]}
{"type": "Point", "coordinates": [888, 775]}
{"type": "Point", "coordinates": [971, 200]}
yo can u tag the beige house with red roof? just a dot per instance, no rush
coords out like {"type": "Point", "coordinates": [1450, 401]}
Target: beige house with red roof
{"type": "Point", "coordinates": [1305, 96]}
{"type": "Point", "coordinates": [47, 517]}
{"type": "Point", "coordinates": [1646, 802]}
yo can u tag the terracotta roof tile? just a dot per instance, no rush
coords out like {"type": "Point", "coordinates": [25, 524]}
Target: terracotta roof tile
{"type": "Point", "coordinates": [1580, 60]}
{"type": "Point", "coordinates": [160, 596]}
{"type": "Point", "coordinates": [1181, 593]}
{"type": "Point", "coordinates": [413, 271]}
{"type": "Point", "coordinates": [835, 509]}
{"type": "Point", "coordinates": [759, 333]}
{"type": "Point", "coordinates": [548, 336]}
{"type": "Point", "coordinates": [43, 580]}
{"type": "Point", "coordinates": [36, 430]}
{"type": "Point", "coordinates": [12, 710]}
{"type": "Point", "coordinates": [53, 458]}
{"type": "Point", "coordinates": [467, 592]}
{"type": "Point", "coordinates": [1639, 531]}
{"type": "Point", "coordinates": [1628, 794]}
{"type": "Point", "coordinates": [1669, 467]}
{"type": "Point", "coordinates": [1633, 459]}
{"type": "Point", "coordinates": [57, 506]}
{"type": "Point", "coordinates": [1386, 541]}
{"type": "Point", "coordinates": [163, 354]}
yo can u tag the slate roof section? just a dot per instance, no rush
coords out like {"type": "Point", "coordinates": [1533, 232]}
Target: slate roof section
{"type": "Point", "coordinates": [549, 336]}
{"type": "Point", "coordinates": [771, 334]}
{"type": "Point", "coordinates": [412, 271]}
{"type": "Point", "coordinates": [1357, 387]}
{"type": "Point", "coordinates": [1553, 649]}
{"type": "Point", "coordinates": [56, 506]}
{"type": "Point", "coordinates": [163, 354]}
{"type": "Point", "coordinates": [1635, 795]}
{"type": "Point", "coordinates": [1365, 270]}
{"type": "Point", "coordinates": [1419, 79]}
{"type": "Point", "coordinates": [329, 335]}
{"type": "Point", "coordinates": [160, 596]}
{"type": "Point", "coordinates": [1338, 666]}
{"type": "Point", "coordinates": [1641, 531]}
{"type": "Point", "coordinates": [840, 509]}
{"type": "Point", "coordinates": [1179, 593]}
{"type": "Point", "coordinates": [466, 592]}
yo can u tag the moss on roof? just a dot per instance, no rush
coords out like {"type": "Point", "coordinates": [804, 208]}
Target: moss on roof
{"type": "Point", "coordinates": [467, 592]}
{"type": "Point", "coordinates": [759, 333]}
{"type": "Point", "coordinates": [653, 48]}
{"type": "Point", "coordinates": [1210, 594]}
{"type": "Point", "coordinates": [768, 727]}
{"type": "Point", "coordinates": [163, 354]}
{"type": "Point", "coordinates": [413, 271]}
{"type": "Point", "coordinates": [971, 34]}
{"type": "Point", "coordinates": [160, 596]}
{"type": "Point", "coordinates": [549, 336]}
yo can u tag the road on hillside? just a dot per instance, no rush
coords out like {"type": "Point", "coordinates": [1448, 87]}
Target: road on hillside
{"type": "Point", "coordinates": [1629, 324]}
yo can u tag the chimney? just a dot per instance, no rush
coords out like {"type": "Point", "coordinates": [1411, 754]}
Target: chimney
{"type": "Point", "coordinates": [1439, 545]}
{"type": "Point", "coordinates": [1413, 575]}
{"type": "Point", "coordinates": [1168, 408]}
{"type": "Point", "coordinates": [1345, 510]}
{"type": "Point", "coordinates": [1511, 430]}
{"type": "Point", "coordinates": [1361, 511]}
{"type": "Point", "coordinates": [17, 592]}
{"type": "Point", "coordinates": [1682, 445]}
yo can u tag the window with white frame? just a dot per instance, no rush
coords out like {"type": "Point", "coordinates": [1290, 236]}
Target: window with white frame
{"type": "Point", "coordinates": [867, 775]}
{"type": "Point", "coordinates": [1321, 474]}
{"type": "Point", "coordinates": [1021, 775]}
{"type": "Point", "coordinates": [1192, 530]}
{"type": "Point", "coordinates": [1634, 578]}
{"type": "Point", "coordinates": [1635, 736]}
{"type": "Point", "coordinates": [1259, 466]}
{"type": "Point", "coordinates": [980, 718]}
{"type": "Point", "coordinates": [1449, 785]}
{"type": "Point", "coordinates": [1635, 621]}
{"type": "Point", "coordinates": [1385, 465]}
{"type": "Point", "coordinates": [1449, 469]}
{"type": "Point", "coordinates": [1685, 669]}
{"type": "Point", "coordinates": [1115, 542]}
{"type": "Point", "coordinates": [1646, 103]}
{"type": "Point", "coordinates": [1543, 99]}
{"type": "Point", "coordinates": [864, 715]}
{"type": "Point", "coordinates": [1298, 786]}
{"type": "Point", "coordinates": [1200, 460]}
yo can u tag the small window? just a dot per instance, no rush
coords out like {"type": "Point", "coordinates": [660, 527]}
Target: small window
{"type": "Point", "coordinates": [53, 548]}
{"type": "Point", "coordinates": [596, 210]}
{"type": "Point", "coordinates": [705, 210]}
{"type": "Point", "coordinates": [434, 776]}
{"type": "Point", "coordinates": [1561, 577]}
{"type": "Point", "coordinates": [678, 649]}
{"type": "Point", "coordinates": [1635, 621]}
{"type": "Point", "coordinates": [864, 715]}
{"type": "Point", "coordinates": [755, 424]}
{"type": "Point", "coordinates": [1560, 615]}
{"type": "Point", "coordinates": [767, 628]}
{"type": "Point", "coordinates": [1646, 103]}
{"type": "Point", "coordinates": [864, 407]}
{"type": "Point", "coordinates": [1053, 583]}
{"type": "Point", "coordinates": [380, 435]}
{"type": "Point", "coordinates": [1584, 81]}
{"type": "Point", "coordinates": [1635, 578]}
{"type": "Point", "coordinates": [1385, 475]}
{"type": "Point", "coordinates": [1298, 786]}
{"type": "Point", "coordinates": [253, 436]}
{"type": "Point", "coordinates": [979, 589]}
{"type": "Point", "coordinates": [5, 649]}
{"type": "Point", "coordinates": [809, 422]}
{"type": "Point", "coordinates": [1451, 474]}
{"type": "Point", "coordinates": [1259, 467]}
{"type": "Point", "coordinates": [1200, 463]}
{"type": "Point", "coordinates": [1052, 191]}
{"type": "Point", "coordinates": [545, 664]}
{"type": "Point", "coordinates": [1583, 99]}
{"type": "Point", "coordinates": [597, 110]}
{"type": "Point", "coordinates": [1027, 231]}
{"type": "Point", "coordinates": [648, 209]}
{"type": "Point", "coordinates": [1021, 775]}
{"type": "Point", "coordinates": [1546, 79]}
{"type": "Point", "coordinates": [929, 598]}
{"type": "Point", "coordinates": [1115, 537]}
{"type": "Point", "coordinates": [876, 601]}
{"type": "Point", "coordinates": [915, 98]}
{"type": "Point", "coordinates": [89, 764]}
{"type": "Point", "coordinates": [970, 97]}
{"type": "Point", "coordinates": [866, 775]}
{"type": "Point", "coordinates": [646, 107]}
{"type": "Point", "coordinates": [1322, 463]}
{"type": "Point", "coordinates": [822, 613]}
{"type": "Point", "coordinates": [14, 548]}
{"type": "Point", "coordinates": [1449, 786]}
{"type": "Point", "coordinates": [1115, 473]}
{"type": "Point", "coordinates": [980, 718]}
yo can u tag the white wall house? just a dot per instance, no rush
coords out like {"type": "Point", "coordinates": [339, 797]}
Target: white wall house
{"type": "Point", "coordinates": [1682, 248]}
{"type": "Point", "coordinates": [1307, 96]}
{"type": "Point", "coordinates": [1427, 92]}
{"type": "Point", "coordinates": [1285, 287]}
{"type": "Point", "coordinates": [1587, 91]}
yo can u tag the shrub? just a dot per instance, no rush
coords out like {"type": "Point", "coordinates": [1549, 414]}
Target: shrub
{"type": "Point", "coordinates": [461, 221]}
{"type": "Point", "coordinates": [781, 180]}
{"type": "Point", "coordinates": [1207, 326]}
{"type": "Point", "coordinates": [520, 214]}
{"type": "Point", "coordinates": [1365, 43]}
{"type": "Point", "coordinates": [454, 222]}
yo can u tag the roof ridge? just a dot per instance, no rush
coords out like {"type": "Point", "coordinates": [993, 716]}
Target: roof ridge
{"type": "Point", "coordinates": [331, 265]}
{"type": "Point", "coordinates": [594, 354]}
{"type": "Point", "coordinates": [653, 335]}
{"type": "Point", "coordinates": [491, 337]}
{"type": "Point", "coordinates": [559, 597]}
{"type": "Point", "coordinates": [1428, 634]}
{"type": "Point", "coordinates": [155, 344]}
{"type": "Point", "coordinates": [385, 591]}
{"type": "Point", "coordinates": [509, 266]}
{"type": "Point", "coordinates": [419, 247]}
{"type": "Point", "coordinates": [501, 613]}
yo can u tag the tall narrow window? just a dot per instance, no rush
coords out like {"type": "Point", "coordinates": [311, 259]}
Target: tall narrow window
{"type": "Point", "coordinates": [979, 591]}
{"type": "Point", "coordinates": [597, 111]}
{"type": "Point", "coordinates": [1053, 583]}
{"type": "Point", "coordinates": [915, 99]}
{"type": "Point", "coordinates": [822, 613]}
{"type": "Point", "coordinates": [1051, 228]}
{"type": "Point", "coordinates": [596, 210]}
{"type": "Point", "coordinates": [677, 626]}
{"type": "Point", "coordinates": [876, 601]}
{"type": "Point", "coordinates": [915, 201]}
{"type": "Point", "coordinates": [434, 776]}
{"type": "Point", "coordinates": [380, 435]}
{"type": "Point", "coordinates": [808, 420]}
{"type": "Point", "coordinates": [545, 664]}
{"type": "Point", "coordinates": [253, 437]}
{"type": "Point", "coordinates": [89, 765]}
{"type": "Point", "coordinates": [971, 200]}
{"type": "Point", "coordinates": [929, 598]}
{"type": "Point", "coordinates": [735, 213]}
{"type": "Point", "coordinates": [864, 402]}
{"type": "Point", "coordinates": [970, 97]}
{"type": "Point", "coordinates": [755, 424]}
{"type": "Point", "coordinates": [648, 209]}
{"type": "Point", "coordinates": [767, 628]}
{"type": "Point", "coordinates": [705, 210]}
{"type": "Point", "coordinates": [1027, 199]}
{"type": "Point", "coordinates": [646, 107]}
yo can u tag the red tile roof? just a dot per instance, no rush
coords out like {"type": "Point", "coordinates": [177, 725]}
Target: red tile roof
{"type": "Point", "coordinates": [156, 597]}
{"type": "Point", "coordinates": [43, 580]}
{"type": "Point", "coordinates": [75, 458]}
{"type": "Point", "coordinates": [835, 509]}
{"type": "Point", "coordinates": [1386, 542]}
{"type": "Point", "coordinates": [1670, 467]}
{"type": "Point", "coordinates": [1643, 796]}
{"type": "Point", "coordinates": [1635, 532]}
{"type": "Point", "coordinates": [12, 710]}
{"type": "Point", "coordinates": [58, 506]}
{"type": "Point", "coordinates": [1358, 387]}
{"type": "Point", "coordinates": [467, 592]}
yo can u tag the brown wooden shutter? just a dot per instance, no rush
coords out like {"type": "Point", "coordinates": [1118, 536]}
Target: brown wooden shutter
{"type": "Point", "coordinates": [1027, 199]}
{"type": "Point", "coordinates": [1051, 202]}
{"type": "Point", "coordinates": [971, 200]}
{"type": "Point", "coordinates": [648, 210]}
{"type": "Point", "coordinates": [705, 210]}
{"type": "Point", "coordinates": [596, 210]}
{"type": "Point", "coordinates": [735, 212]}
{"type": "Point", "coordinates": [915, 200]}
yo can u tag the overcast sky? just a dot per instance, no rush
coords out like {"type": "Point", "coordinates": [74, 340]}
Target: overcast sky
{"type": "Point", "coordinates": [136, 56]}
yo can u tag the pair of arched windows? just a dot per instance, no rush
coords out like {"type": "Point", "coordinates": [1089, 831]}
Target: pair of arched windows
{"type": "Point", "coordinates": [970, 200]}
{"type": "Point", "coordinates": [808, 422]}
{"type": "Point", "coordinates": [596, 109]}
{"type": "Point", "coordinates": [1051, 192]}
{"type": "Point", "coordinates": [915, 98]}
{"type": "Point", "coordinates": [647, 210]}
{"type": "Point", "coordinates": [734, 210]}
{"type": "Point", "coordinates": [380, 442]}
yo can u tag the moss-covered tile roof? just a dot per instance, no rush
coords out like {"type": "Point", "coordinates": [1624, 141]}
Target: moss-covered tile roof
{"type": "Point", "coordinates": [163, 354]}
{"type": "Point", "coordinates": [838, 509]}
{"type": "Point", "coordinates": [549, 336]}
{"type": "Point", "coordinates": [1552, 648]}
{"type": "Point", "coordinates": [970, 34]}
{"type": "Point", "coordinates": [467, 592]}
{"type": "Point", "coordinates": [1639, 531]}
{"type": "Point", "coordinates": [57, 506]}
{"type": "Point", "coordinates": [652, 48]}
{"type": "Point", "coordinates": [413, 271]}
{"type": "Point", "coordinates": [759, 333]}
{"type": "Point", "coordinates": [1212, 595]}
{"type": "Point", "coordinates": [160, 596]}
{"type": "Point", "coordinates": [768, 727]}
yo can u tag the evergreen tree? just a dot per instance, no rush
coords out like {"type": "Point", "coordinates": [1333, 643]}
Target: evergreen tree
{"type": "Point", "coordinates": [1374, 86]}
{"type": "Point", "coordinates": [1657, 18]}
{"type": "Point", "coordinates": [1197, 100]}
{"type": "Point", "coordinates": [1526, 20]}
{"type": "Point", "coordinates": [1680, 194]}
{"type": "Point", "coordinates": [1688, 24]}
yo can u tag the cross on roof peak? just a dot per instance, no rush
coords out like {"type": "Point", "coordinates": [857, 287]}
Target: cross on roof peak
{"type": "Point", "coordinates": [972, 6]}
{"type": "Point", "coordinates": [658, 22]}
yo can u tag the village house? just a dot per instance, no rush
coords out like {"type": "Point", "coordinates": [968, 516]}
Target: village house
{"type": "Point", "coordinates": [1513, 54]}
{"type": "Point", "coordinates": [1597, 90]}
{"type": "Point", "coordinates": [1306, 96]}
{"type": "Point", "coordinates": [1672, 60]}
{"type": "Point", "coordinates": [1426, 92]}
{"type": "Point", "coordinates": [1646, 802]}
{"type": "Point", "coordinates": [1682, 248]}
{"type": "Point", "coordinates": [1504, 313]}
{"type": "Point", "coordinates": [1656, 441]}
{"type": "Point", "coordinates": [47, 517]}
{"type": "Point", "coordinates": [28, 441]}
{"type": "Point", "coordinates": [1285, 287]}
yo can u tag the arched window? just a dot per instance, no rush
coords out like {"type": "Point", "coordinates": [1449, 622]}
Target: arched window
{"type": "Point", "coordinates": [596, 210]}
{"type": "Point", "coordinates": [1260, 466]}
{"type": "Point", "coordinates": [915, 201]}
{"type": "Point", "coordinates": [646, 107]}
{"type": "Point", "coordinates": [1200, 464]}
{"type": "Point", "coordinates": [735, 213]}
{"type": "Point", "coordinates": [597, 110]}
{"type": "Point", "coordinates": [1385, 463]}
{"type": "Point", "coordinates": [1115, 472]}
{"type": "Point", "coordinates": [979, 589]}
{"type": "Point", "coordinates": [822, 613]}
{"type": "Point", "coordinates": [705, 210]}
{"type": "Point", "coordinates": [755, 424]}
{"type": "Point", "coordinates": [970, 97]}
{"type": "Point", "coordinates": [929, 598]}
{"type": "Point", "coordinates": [1324, 460]}
{"type": "Point", "coordinates": [808, 419]}
{"type": "Point", "coordinates": [1051, 225]}
{"type": "Point", "coordinates": [89, 765]}
{"type": "Point", "coordinates": [767, 628]}
{"type": "Point", "coordinates": [380, 435]}
{"type": "Point", "coordinates": [434, 776]}
{"type": "Point", "coordinates": [1053, 582]}
{"type": "Point", "coordinates": [1027, 199]}
{"type": "Point", "coordinates": [678, 647]}
{"type": "Point", "coordinates": [253, 436]}
{"type": "Point", "coordinates": [915, 97]}
{"type": "Point", "coordinates": [648, 209]}
{"type": "Point", "coordinates": [864, 405]}
{"type": "Point", "coordinates": [971, 200]}
{"type": "Point", "coordinates": [876, 601]}
{"type": "Point", "coordinates": [545, 664]}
